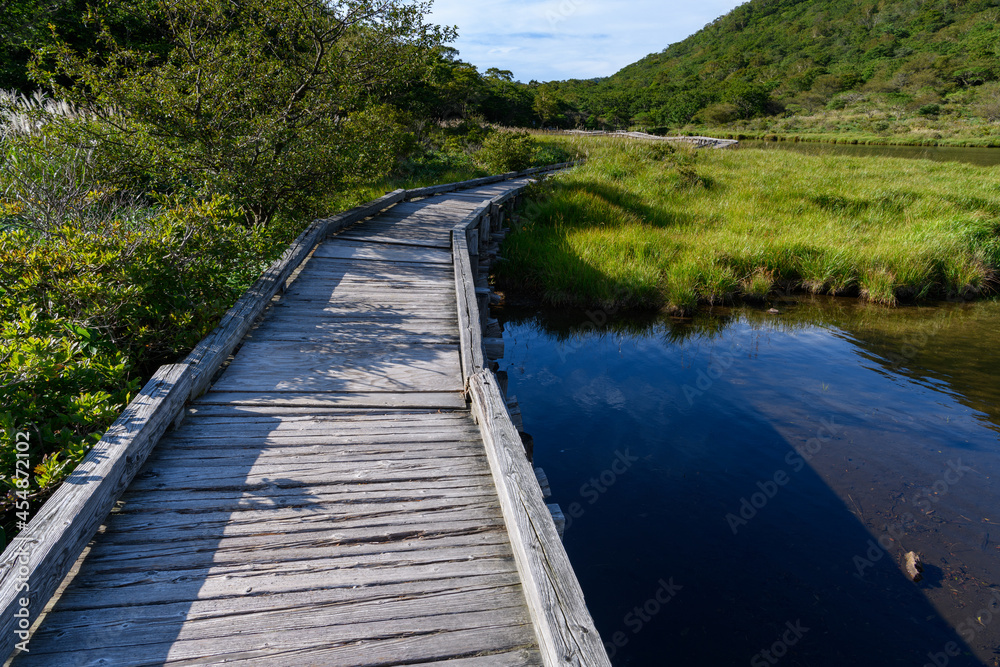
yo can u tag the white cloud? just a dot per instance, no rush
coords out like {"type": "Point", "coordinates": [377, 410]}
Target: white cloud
{"type": "Point", "coordinates": [559, 39]}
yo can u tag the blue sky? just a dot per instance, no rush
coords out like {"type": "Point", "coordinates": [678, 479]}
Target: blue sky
{"type": "Point", "coordinates": [551, 40]}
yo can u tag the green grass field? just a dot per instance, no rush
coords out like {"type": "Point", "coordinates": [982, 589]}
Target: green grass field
{"type": "Point", "coordinates": [640, 227]}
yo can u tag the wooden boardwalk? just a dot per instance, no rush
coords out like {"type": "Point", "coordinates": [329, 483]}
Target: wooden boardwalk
{"type": "Point", "coordinates": [696, 141]}
{"type": "Point", "coordinates": [329, 500]}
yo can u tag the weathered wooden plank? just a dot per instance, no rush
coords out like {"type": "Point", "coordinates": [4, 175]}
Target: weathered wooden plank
{"type": "Point", "coordinates": [516, 658]}
{"type": "Point", "coordinates": [160, 587]}
{"type": "Point", "coordinates": [438, 294]}
{"type": "Point", "coordinates": [374, 309]}
{"type": "Point", "coordinates": [289, 495]}
{"type": "Point", "coordinates": [344, 421]}
{"type": "Point", "coordinates": [289, 324]}
{"type": "Point", "coordinates": [338, 249]}
{"type": "Point", "coordinates": [468, 315]}
{"type": "Point", "coordinates": [289, 560]}
{"type": "Point", "coordinates": [51, 543]}
{"type": "Point", "coordinates": [297, 554]}
{"type": "Point", "coordinates": [342, 367]}
{"type": "Point", "coordinates": [440, 240]}
{"type": "Point", "coordinates": [391, 335]}
{"type": "Point", "coordinates": [321, 454]}
{"type": "Point", "coordinates": [309, 443]}
{"type": "Point", "coordinates": [369, 614]}
{"type": "Point", "coordinates": [566, 631]}
{"type": "Point", "coordinates": [212, 611]}
{"type": "Point", "coordinates": [377, 283]}
{"type": "Point", "coordinates": [206, 423]}
{"type": "Point", "coordinates": [264, 475]}
{"type": "Point", "coordinates": [283, 546]}
{"type": "Point", "coordinates": [449, 400]}
{"type": "Point", "coordinates": [386, 645]}
{"type": "Point", "coordinates": [320, 443]}
{"type": "Point", "coordinates": [261, 479]}
{"type": "Point", "coordinates": [344, 416]}
{"type": "Point", "coordinates": [347, 537]}
{"type": "Point", "coordinates": [372, 438]}
{"type": "Point", "coordinates": [340, 291]}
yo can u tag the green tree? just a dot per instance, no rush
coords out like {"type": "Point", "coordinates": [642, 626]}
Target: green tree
{"type": "Point", "coordinates": [508, 102]}
{"type": "Point", "coordinates": [749, 99]}
{"type": "Point", "coordinates": [546, 106]}
{"type": "Point", "coordinates": [269, 101]}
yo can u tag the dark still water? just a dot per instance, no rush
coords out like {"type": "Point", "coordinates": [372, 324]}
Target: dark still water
{"type": "Point", "coordinates": [982, 157]}
{"type": "Point", "coordinates": [741, 489]}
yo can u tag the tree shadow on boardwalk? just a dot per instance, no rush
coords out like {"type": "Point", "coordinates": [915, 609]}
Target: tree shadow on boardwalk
{"type": "Point", "coordinates": [171, 550]}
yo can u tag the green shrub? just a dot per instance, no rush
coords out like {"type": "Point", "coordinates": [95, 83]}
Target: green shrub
{"type": "Point", "coordinates": [62, 386]}
{"type": "Point", "coordinates": [720, 114]}
{"type": "Point", "coordinates": [505, 151]}
{"type": "Point", "coordinates": [87, 315]}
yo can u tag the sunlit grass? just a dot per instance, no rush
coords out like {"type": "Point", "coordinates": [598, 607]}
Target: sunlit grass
{"type": "Point", "coordinates": [636, 228]}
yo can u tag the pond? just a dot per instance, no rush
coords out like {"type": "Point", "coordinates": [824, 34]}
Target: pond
{"type": "Point", "coordinates": [983, 157]}
{"type": "Point", "coordinates": [742, 488]}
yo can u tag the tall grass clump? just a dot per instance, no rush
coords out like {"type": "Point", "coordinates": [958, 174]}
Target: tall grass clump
{"type": "Point", "coordinates": [649, 226]}
{"type": "Point", "coordinates": [22, 115]}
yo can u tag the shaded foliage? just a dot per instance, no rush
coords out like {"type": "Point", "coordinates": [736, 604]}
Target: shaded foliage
{"type": "Point", "coordinates": [264, 100]}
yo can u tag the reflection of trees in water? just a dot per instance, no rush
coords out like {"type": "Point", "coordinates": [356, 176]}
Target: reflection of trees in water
{"type": "Point", "coordinates": [953, 343]}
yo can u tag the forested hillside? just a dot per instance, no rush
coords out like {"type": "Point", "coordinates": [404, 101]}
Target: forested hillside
{"type": "Point", "coordinates": [785, 58]}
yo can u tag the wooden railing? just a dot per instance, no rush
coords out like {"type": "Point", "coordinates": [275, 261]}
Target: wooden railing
{"type": "Point", "coordinates": [698, 142]}
{"type": "Point", "coordinates": [37, 560]}
{"type": "Point", "coordinates": [563, 625]}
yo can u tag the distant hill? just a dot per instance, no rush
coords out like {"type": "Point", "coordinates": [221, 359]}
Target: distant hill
{"type": "Point", "coordinates": [788, 58]}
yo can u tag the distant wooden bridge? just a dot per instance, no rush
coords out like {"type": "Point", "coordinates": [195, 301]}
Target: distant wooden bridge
{"type": "Point", "coordinates": [341, 483]}
{"type": "Point", "coordinates": [697, 142]}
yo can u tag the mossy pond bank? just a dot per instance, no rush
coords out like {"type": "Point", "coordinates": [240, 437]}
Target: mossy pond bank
{"type": "Point", "coordinates": [741, 488]}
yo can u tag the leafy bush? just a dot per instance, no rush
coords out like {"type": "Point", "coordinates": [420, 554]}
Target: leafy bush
{"type": "Point", "coordinates": [720, 114]}
{"type": "Point", "coordinates": [88, 314]}
{"type": "Point", "coordinates": [59, 384]}
{"type": "Point", "coordinates": [505, 151]}
{"type": "Point", "coordinates": [989, 103]}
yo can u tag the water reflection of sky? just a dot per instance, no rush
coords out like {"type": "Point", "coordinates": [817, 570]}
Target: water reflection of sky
{"type": "Point", "coordinates": [712, 411]}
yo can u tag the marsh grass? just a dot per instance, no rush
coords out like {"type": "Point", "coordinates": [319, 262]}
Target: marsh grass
{"type": "Point", "coordinates": [634, 228]}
